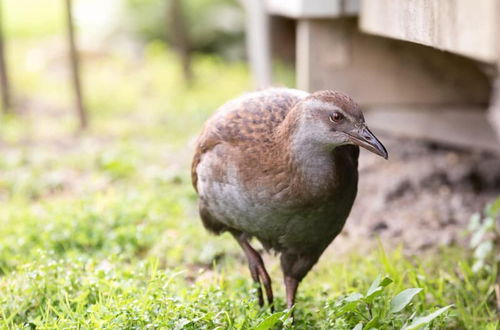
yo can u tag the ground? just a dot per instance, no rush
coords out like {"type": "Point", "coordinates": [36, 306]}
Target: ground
{"type": "Point", "coordinates": [99, 229]}
{"type": "Point", "coordinates": [423, 197]}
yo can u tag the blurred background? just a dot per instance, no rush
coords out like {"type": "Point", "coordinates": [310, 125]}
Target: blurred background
{"type": "Point", "coordinates": [102, 100]}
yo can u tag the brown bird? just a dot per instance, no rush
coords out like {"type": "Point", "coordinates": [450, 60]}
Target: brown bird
{"type": "Point", "coordinates": [281, 165]}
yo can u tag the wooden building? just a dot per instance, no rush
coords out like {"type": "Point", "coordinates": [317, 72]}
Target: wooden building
{"type": "Point", "coordinates": [420, 68]}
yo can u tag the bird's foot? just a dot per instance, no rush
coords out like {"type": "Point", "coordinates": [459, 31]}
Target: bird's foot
{"type": "Point", "coordinates": [260, 275]}
{"type": "Point", "coordinates": [257, 270]}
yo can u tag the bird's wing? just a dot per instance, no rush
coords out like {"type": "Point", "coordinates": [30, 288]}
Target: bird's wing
{"type": "Point", "coordinates": [249, 119]}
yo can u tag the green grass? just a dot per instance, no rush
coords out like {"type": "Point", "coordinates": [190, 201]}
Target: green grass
{"type": "Point", "coordinates": [100, 229]}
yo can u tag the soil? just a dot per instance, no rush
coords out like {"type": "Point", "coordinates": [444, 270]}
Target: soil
{"type": "Point", "coordinates": [421, 198]}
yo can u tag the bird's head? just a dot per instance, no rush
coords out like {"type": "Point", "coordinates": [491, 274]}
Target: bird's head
{"type": "Point", "coordinates": [334, 119]}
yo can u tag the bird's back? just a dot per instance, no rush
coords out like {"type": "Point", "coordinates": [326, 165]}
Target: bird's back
{"type": "Point", "coordinates": [254, 116]}
{"type": "Point", "coordinates": [249, 119]}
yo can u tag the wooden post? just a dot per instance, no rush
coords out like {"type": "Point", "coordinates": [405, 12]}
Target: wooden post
{"type": "Point", "coordinates": [257, 42]}
{"type": "Point", "coordinates": [4, 77]}
{"type": "Point", "coordinates": [75, 69]}
{"type": "Point", "coordinates": [323, 45]}
{"type": "Point", "coordinates": [494, 109]}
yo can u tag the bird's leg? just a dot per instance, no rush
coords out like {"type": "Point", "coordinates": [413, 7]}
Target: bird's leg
{"type": "Point", "coordinates": [291, 285]}
{"type": "Point", "coordinates": [257, 269]}
{"type": "Point", "coordinates": [295, 267]}
{"type": "Point", "coordinates": [255, 276]}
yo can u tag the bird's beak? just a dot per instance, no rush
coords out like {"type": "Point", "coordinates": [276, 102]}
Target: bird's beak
{"type": "Point", "coordinates": [364, 138]}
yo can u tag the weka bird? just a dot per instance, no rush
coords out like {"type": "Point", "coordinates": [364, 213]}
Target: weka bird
{"type": "Point", "coordinates": [281, 165]}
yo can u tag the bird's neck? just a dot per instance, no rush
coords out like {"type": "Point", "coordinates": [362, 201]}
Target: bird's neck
{"type": "Point", "coordinates": [310, 162]}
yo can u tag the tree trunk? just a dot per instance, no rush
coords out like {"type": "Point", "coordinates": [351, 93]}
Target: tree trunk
{"type": "Point", "coordinates": [177, 23]}
{"type": "Point", "coordinates": [75, 69]}
{"type": "Point", "coordinates": [4, 77]}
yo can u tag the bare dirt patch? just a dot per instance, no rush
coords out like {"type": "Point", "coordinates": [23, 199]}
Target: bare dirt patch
{"type": "Point", "coordinates": [422, 197]}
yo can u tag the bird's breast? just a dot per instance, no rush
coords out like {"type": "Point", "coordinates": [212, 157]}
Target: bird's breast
{"type": "Point", "coordinates": [277, 204]}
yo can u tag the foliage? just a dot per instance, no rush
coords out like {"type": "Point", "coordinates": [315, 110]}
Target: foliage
{"type": "Point", "coordinates": [485, 238]}
{"type": "Point", "coordinates": [214, 26]}
{"type": "Point", "coordinates": [371, 310]}
{"type": "Point", "coordinates": [23, 23]}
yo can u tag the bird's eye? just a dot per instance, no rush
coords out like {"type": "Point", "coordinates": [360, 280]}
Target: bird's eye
{"type": "Point", "coordinates": [336, 117]}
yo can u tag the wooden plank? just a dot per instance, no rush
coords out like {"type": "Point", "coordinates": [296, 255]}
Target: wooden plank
{"type": "Point", "coordinates": [461, 127]}
{"type": "Point", "coordinates": [461, 26]}
{"type": "Point", "coordinates": [313, 8]}
{"type": "Point", "coordinates": [333, 54]}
